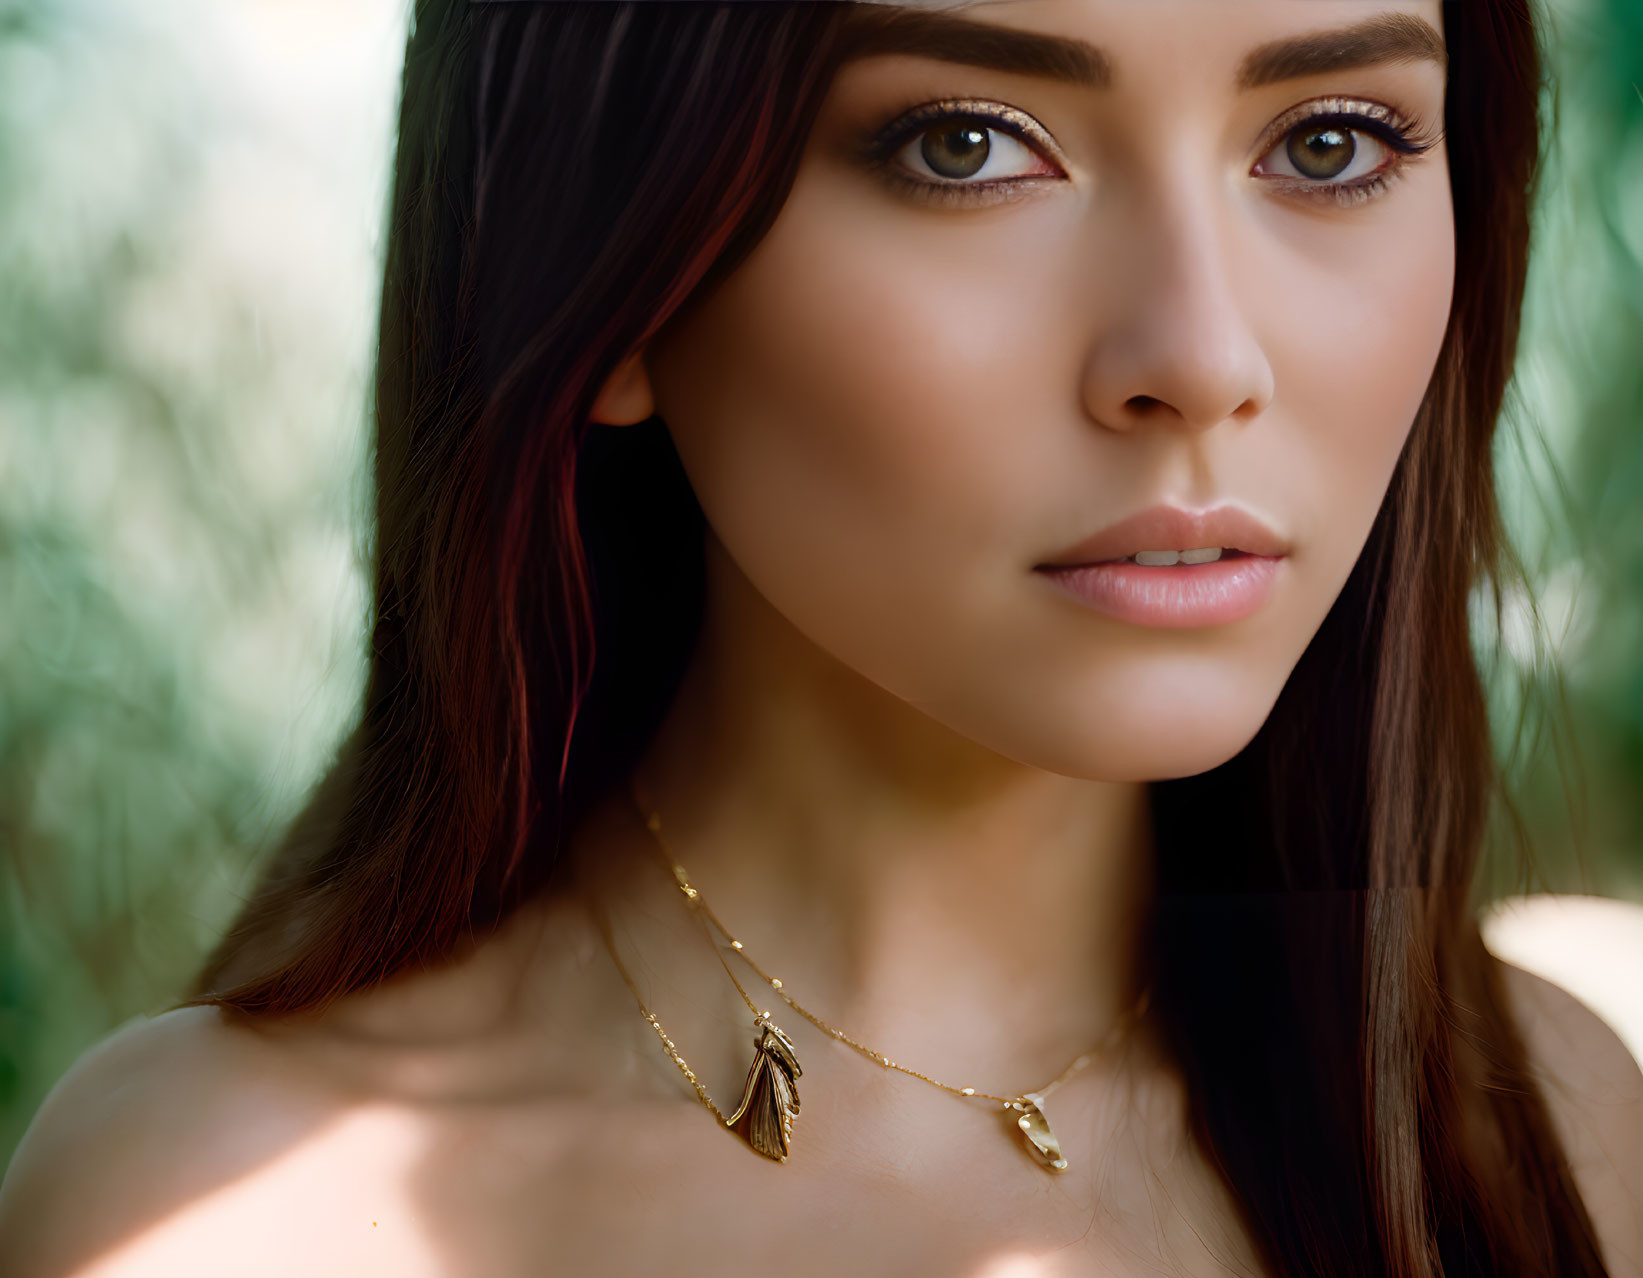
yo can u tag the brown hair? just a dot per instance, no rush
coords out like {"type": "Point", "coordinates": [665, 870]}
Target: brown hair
{"type": "Point", "coordinates": [569, 176]}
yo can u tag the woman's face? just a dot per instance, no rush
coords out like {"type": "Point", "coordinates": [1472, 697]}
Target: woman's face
{"type": "Point", "coordinates": [1063, 302]}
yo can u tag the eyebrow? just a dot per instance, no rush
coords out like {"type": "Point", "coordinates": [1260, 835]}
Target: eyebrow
{"type": "Point", "coordinates": [1387, 37]}
{"type": "Point", "coordinates": [926, 34]}
{"type": "Point", "coordinates": [1384, 38]}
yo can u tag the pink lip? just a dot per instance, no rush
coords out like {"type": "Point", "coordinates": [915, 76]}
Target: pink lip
{"type": "Point", "coordinates": [1183, 595]}
{"type": "Point", "coordinates": [1171, 528]}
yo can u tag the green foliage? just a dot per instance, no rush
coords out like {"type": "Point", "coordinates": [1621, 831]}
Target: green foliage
{"type": "Point", "coordinates": [1568, 698]}
{"type": "Point", "coordinates": [181, 483]}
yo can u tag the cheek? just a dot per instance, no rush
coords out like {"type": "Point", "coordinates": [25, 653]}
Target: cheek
{"type": "Point", "coordinates": [848, 409]}
{"type": "Point", "coordinates": [1363, 333]}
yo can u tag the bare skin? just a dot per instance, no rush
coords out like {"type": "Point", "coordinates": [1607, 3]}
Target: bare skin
{"type": "Point", "coordinates": [547, 1123]}
{"type": "Point", "coordinates": [504, 1117]}
{"type": "Point", "coordinates": [910, 776]}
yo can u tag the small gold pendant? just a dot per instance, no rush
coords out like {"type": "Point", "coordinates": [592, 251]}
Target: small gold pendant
{"type": "Point", "coordinates": [770, 1100]}
{"type": "Point", "coordinates": [1040, 1139]}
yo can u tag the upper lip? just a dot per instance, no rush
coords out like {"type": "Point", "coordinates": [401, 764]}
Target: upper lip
{"type": "Point", "coordinates": [1172, 528]}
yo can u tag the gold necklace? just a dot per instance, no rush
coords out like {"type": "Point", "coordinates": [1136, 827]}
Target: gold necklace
{"type": "Point", "coordinates": [770, 1101]}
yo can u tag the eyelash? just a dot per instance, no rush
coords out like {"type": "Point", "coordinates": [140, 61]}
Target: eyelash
{"type": "Point", "coordinates": [1406, 140]}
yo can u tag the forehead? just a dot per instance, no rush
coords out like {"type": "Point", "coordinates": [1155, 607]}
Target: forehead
{"type": "Point", "coordinates": [1097, 43]}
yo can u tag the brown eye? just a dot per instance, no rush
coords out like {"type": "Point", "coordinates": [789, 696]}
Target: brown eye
{"type": "Point", "coordinates": [1345, 150]}
{"type": "Point", "coordinates": [956, 153]}
{"type": "Point", "coordinates": [962, 152]}
{"type": "Point", "coordinates": [1330, 154]}
{"type": "Point", "coordinates": [1321, 153]}
{"type": "Point", "coordinates": [966, 152]}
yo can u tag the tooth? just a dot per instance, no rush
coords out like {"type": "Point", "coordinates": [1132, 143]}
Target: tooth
{"type": "Point", "coordinates": [1206, 556]}
{"type": "Point", "coordinates": [1157, 558]}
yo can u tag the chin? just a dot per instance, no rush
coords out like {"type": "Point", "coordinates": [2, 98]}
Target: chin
{"type": "Point", "coordinates": [1163, 763]}
{"type": "Point", "coordinates": [1149, 742]}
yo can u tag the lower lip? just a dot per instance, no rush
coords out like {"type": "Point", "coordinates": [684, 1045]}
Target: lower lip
{"type": "Point", "coordinates": [1177, 597]}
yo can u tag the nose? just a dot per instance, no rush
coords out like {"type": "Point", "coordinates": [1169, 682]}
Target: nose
{"type": "Point", "coordinates": [1177, 344]}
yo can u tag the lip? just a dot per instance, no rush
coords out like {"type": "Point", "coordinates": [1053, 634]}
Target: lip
{"type": "Point", "coordinates": [1184, 595]}
{"type": "Point", "coordinates": [1172, 528]}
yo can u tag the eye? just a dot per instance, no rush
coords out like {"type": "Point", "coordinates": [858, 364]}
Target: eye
{"type": "Point", "coordinates": [966, 149]}
{"type": "Point", "coordinates": [1329, 151]}
{"type": "Point", "coordinates": [963, 151]}
{"type": "Point", "coordinates": [1348, 152]}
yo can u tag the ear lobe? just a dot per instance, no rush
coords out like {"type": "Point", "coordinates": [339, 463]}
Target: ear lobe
{"type": "Point", "coordinates": [625, 398]}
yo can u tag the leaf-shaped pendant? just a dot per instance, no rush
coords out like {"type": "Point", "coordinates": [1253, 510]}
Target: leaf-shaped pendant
{"type": "Point", "coordinates": [770, 1100]}
{"type": "Point", "coordinates": [1040, 1139]}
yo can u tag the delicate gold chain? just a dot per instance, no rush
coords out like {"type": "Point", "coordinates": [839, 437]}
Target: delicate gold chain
{"type": "Point", "coordinates": [698, 903]}
{"type": "Point", "coordinates": [667, 1043]}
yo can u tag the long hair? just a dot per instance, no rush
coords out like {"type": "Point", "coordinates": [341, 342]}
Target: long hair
{"type": "Point", "coordinates": [569, 177]}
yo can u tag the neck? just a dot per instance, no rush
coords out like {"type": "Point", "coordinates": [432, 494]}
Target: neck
{"type": "Point", "coordinates": [929, 897]}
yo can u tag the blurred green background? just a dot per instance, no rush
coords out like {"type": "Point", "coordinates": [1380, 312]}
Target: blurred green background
{"type": "Point", "coordinates": [191, 198]}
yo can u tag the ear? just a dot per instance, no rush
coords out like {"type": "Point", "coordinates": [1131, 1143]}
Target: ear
{"type": "Point", "coordinates": [625, 397]}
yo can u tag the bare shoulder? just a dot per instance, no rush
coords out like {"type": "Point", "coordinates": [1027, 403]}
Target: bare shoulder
{"type": "Point", "coordinates": [170, 1147]}
{"type": "Point", "coordinates": [1594, 1089]}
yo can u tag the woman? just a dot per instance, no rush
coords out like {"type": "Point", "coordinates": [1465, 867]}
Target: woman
{"type": "Point", "coordinates": [779, 837]}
